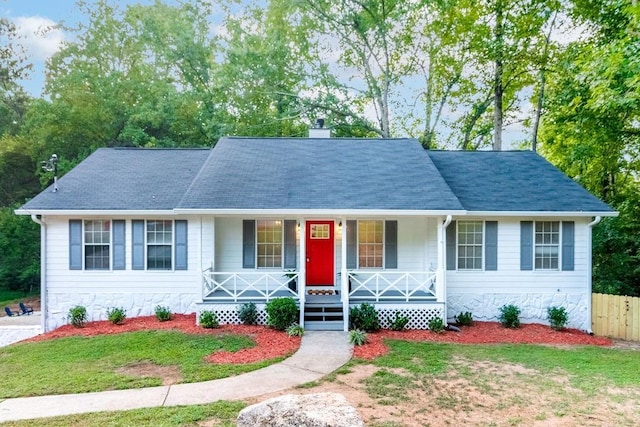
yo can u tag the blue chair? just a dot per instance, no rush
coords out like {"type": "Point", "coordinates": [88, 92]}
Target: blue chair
{"type": "Point", "coordinates": [26, 309]}
{"type": "Point", "coordinates": [11, 313]}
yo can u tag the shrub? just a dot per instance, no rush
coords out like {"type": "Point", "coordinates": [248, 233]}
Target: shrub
{"type": "Point", "coordinates": [357, 337]}
{"type": "Point", "coordinates": [558, 317]}
{"type": "Point", "coordinates": [399, 322]}
{"type": "Point", "coordinates": [116, 315]}
{"type": "Point", "coordinates": [163, 313]}
{"type": "Point", "coordinates": [364, 318]}
{"type": "Point", "coordinates": [281, 313]}
{"type": "Point", "coordinates": [509, 316]}
{"type": "Point", "coordinates": [208, 319]}
{"type": "Point", "coordinates": [77, 316]}
{"type": "Point", "coordinates": [436, 325]}
{"type": "Point", "coordinates": [248, 314]}
{"type": "Point", "coordinates": [464, 318]}
{"type": "Point", "coordinates": [295, 330]}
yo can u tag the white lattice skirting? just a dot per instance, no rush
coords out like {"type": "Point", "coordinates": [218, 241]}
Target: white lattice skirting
{"type": "Point", "coordinates": [419, 315]}
{"type": "Point", "coordinates": [228, 313]}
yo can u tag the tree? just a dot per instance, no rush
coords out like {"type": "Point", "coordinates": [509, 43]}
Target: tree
{"type": "Point", "coordinates": [19, 251]}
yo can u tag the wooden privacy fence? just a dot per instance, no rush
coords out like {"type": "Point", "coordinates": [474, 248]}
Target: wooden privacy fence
{"type": "Point", "coordinates": [616, 316]}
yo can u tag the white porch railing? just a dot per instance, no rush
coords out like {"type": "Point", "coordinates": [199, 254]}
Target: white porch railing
{"type": "Point", "coordinates": [394, 285]}
{"type": "Point", "coordinates": [247, 286]}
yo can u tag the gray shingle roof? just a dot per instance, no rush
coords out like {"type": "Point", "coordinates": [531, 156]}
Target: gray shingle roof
{"type": "Point", "coordinates": [334, 173]}
{"type": "Point", "coordinates": [512, 181]}
{"type": "Point", "coordinates": [126, 179]}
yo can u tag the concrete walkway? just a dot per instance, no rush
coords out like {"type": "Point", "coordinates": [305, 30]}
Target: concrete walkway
{"type": "Point", "coordinates": [18, 328]}
{"type": "Point", "coordinates": [320, 353]}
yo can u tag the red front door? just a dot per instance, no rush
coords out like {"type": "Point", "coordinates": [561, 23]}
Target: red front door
{"type": "Point", "coordinates": [320, 248]}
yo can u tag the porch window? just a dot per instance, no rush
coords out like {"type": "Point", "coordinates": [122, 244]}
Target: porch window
{"type": "Point", "coordinates": [547, 241]}
{"type": "Point", "coordinates": [97, 244]}
{"type": "Point", "coordinates": [470, 243]}
{"type": "Point", "coordinates": [159, 244]}
{"type": "Point", "coordinates": [269, 243]}
{"type": "Point", "coordinates": [370, 244]}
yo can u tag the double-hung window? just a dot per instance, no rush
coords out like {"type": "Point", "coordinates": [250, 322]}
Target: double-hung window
{"type": "Point", "coordinates": [159, 235]}
{"type": "Point", "coordinates": [370, 243]}
{"type": "Point", "coordinates": [97, 244]}
{"type": "Point", "coordinates": [547, 245]}
{"type": "Point", "coordinates": [159, 244]}
{"type": "Point", "coordinates": [470, 243]}
{"type": "Point", "coordinates": [269, 243]}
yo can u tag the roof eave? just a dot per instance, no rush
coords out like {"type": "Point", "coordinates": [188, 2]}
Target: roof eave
{"type": "Point", "coordinates": [543, 213]}
{"type": "Point", "coordinates": [96, 212]}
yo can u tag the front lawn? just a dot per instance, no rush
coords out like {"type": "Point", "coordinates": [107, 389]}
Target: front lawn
{"type": "Point", "coordinates": [97, 363]}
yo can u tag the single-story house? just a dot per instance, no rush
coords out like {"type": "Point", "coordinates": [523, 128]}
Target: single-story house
{"type": "Point", "coordinates": [331, 222]}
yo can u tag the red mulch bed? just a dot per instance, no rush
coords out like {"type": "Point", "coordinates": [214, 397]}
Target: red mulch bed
{"type": "Point", "coordinates": [481, 333]}
{"type": "Point", "coordinates": [270, 343]}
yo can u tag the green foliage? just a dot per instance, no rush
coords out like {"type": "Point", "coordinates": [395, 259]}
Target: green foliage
{"type": "Point", "coordinates": [281, 313]}
{"type": "Point", "coordinates": [19, 251]}
{"type": "Point", "coordinates": [295, 330]}
{"type": "Point", "coordinates": [399, 322]}
{"type": "Point", "coordinates": [436, 325]}
{"type": "Point", "coordinates": [163, 314]}
{"type": "Point", "coordinates": [248, 313]}
{"type": "Point", "coordinates": [464, 318]}
{"type": "Point", "coordinates": [558, 317]}
{"type": "Point", "coordinates": [77, 316]}
{"type": "Point", "coordinates": [509, 316]}
{"type": "Point", "coordinates": [116, 315]}
{"type": "Point", "coordinates": [364, 317]}
{"type": "Point", "coordinates": [87, 364]}
{"type": "Point", "coordinates": [357, 337]}
{"type": "Point", "coordinates": [208, 319]}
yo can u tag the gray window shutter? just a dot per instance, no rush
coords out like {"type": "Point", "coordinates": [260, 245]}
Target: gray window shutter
{"type": "Point", "coordinates": [137, 243]}
{"type": "Point", "coordinates": [451, 246]}
{"type": "Point", "coordinates": [526, 245]}
{"type": "Point", "coordinates": [491, 245]}
{"type": "Point", "coordinates": [248, 243]}
{"type": "Point", "coordinates": [119, 251]}
{"type": "Point", "coordinates": [290, 258]}
{"type": "Point", "coordinates": [568, 233]}
{"type": "Point", "coordinates": [181, 245]}
{"type": "Point", "coordinates": [391, 244]}
{"type": "Point", "coordinates": [352, 244]}
{"type": "Point", "coordinates": [75, 244]}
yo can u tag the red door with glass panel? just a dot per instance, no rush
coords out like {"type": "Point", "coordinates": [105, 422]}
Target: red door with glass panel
{"type": "Point", "coordinates": [320, 250]}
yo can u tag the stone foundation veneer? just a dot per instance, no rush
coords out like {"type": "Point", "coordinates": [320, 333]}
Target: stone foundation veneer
{"type": "Point", "coordinates": [98, 304]}
{"type": "Point", "coordinates": [486, 307]}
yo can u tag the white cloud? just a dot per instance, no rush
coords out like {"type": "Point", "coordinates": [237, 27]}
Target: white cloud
{"type": "Point", "coordinates": [41, 37]}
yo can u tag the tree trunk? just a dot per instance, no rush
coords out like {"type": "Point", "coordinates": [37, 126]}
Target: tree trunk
{"type": "Point", "coordinates": [545, 54]}
{"type": "Point", "coordinates": [497, 84]}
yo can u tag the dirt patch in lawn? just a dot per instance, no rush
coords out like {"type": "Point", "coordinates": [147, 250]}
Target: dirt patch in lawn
{"type": "Point", "coordinates": [169, 374]}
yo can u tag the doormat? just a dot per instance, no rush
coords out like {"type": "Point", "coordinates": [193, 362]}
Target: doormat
{"type": "Point", "coordinates": [321, 292]}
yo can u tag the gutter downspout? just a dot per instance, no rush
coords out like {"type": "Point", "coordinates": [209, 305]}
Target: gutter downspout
{"type": "Point", "coordinates": [43, 271]}
{"type": "Point", "coordinates": [592, 224]}
{"type": "Point", "coordinates": [443, 243]}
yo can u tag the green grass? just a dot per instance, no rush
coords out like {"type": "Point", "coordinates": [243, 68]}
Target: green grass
{"type": "Point", "coordinates": [12, 297]}
{"type": "Point", "coordinates": [85, 364]}
{"type": "Point", "coordinates": [220, 413]}
{"type": "Point", "coordinates": [588, 368]}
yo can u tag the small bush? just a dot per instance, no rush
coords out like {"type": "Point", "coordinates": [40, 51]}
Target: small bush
{"type": "Point", "coordinates": [248, 314]}
{"type": "Point", "coordinates": [557, 317]}
{"type": "Point", "coordinates": [509, 316]}
{"type": "Point", "coordinates": [295, 330]}
{"type": "Point", "coordinates": [163, 314]}
{"type": "Point", "coordinates": [357, 337]}
{"type": "Point", "coordinates": [281, 313]}
{"type": "Point", "coordinates": [116, 315]}
{"type": "Point", "coordinates": [436, 325]}
{"type": "Point", "coordinates": [208, 319]}
{"type": "Point", "coordinates": [464, 318]}
{"type": "Point", "coordinates": [399, 322]}
{"type": "Point", "coordinates": [77, 316]}
{"type": "Point", "coordinates": [364, 318]}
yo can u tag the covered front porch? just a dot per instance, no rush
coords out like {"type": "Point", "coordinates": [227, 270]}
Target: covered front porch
{"type": "Point", "coordinates": [323, 266]}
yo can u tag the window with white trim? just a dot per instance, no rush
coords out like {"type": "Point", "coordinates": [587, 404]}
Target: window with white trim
{"type": "Point", "coordinates": [97, 244]}
{"type": "Point", "coordinates": [470, 244]}
{"type": "Point", "coordinates": [159, 236]}
{"type": "Point", "coordinates": [269, 243]}
{"type": "Point", "coordinates": [547, 245]}
{"type": "Point", "coordinates": [370, 243]}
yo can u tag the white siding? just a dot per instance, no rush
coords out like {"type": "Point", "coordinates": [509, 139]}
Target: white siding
{"type": "Point", "coordinates": [138, 291]}
{"type": "Point", "coordinates": [484, 292]}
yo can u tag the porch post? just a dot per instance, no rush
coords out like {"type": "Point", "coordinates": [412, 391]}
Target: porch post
{"type": "Point", "coordinates": [441, 290]}
{"type": "Point", "coordinates": [302, 263]}
{"type": "Point", "coordinates": [344, 278]}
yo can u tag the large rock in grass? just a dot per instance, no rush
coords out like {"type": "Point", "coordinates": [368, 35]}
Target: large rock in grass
{"type": "Point", "coordinates": [308, 410]}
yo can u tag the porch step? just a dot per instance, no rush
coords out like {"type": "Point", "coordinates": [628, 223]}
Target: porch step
{"type": "Point", "coordinates": [333, 325]}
